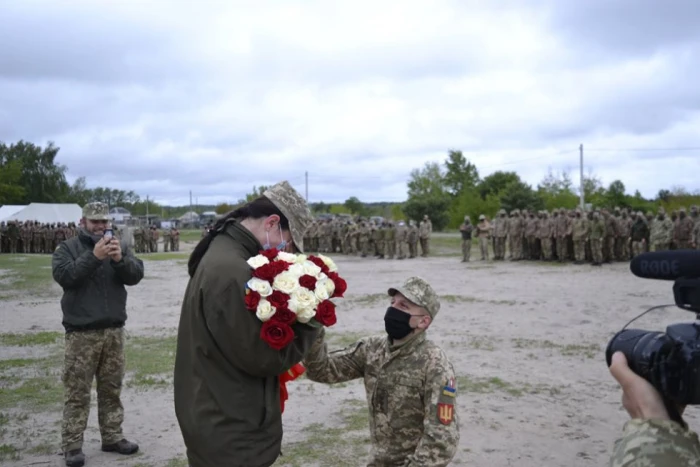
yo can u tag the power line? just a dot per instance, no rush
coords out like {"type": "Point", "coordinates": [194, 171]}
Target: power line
{"type": "Point", "coordinates": [643, 149]}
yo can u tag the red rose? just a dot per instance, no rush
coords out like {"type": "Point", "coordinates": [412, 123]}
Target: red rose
{"type": "Point", "coordinates": [340, 285]}
{"type": "Point", "coordinates": [269, 271]}
{"type": "Point", "coordinates": [325, 313]}
{"type": "Point", "coordinates": [308, 281]}
{"type": "Point", "coordinates": [277, 335]}
{"type": "Point", "coordinates": [319, 262]}
{"type": "Point", "coordinates": [278, 299]}
{"type": "Point", "coordinates": [252, 298]}
{"type": "Point", "coordinates": [270, 254]}
{"type": "Point", "coordinates": [284, 315]}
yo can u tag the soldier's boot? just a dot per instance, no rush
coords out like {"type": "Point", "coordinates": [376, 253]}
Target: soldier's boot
{"type": "Point", "coordinates": [122, 447]}
{"type": "Point", "coordinates": [75, 458]}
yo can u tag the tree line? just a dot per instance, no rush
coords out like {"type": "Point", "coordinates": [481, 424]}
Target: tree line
{"type": "Point", "coordinates": [446, 192]}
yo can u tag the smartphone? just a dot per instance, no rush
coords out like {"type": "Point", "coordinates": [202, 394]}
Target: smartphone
{"type": "Point", "coordinates": [109, 233]}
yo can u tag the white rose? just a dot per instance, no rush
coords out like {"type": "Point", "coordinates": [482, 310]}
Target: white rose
{"type": "Point", "coordinates": [305, 315]}
{"type": "Point", "coordinates": [300, 259]}
{"type": "Point", "coordinates": [329, 285]}
{"type": "Point", "coordinates": [260, 286]}
{"type": "Point", "coordinates": [321, 290]}
{"type": "Point", "coordinates": [297, 270]}
{"type": "Point", "coordinates": [287, 257]}
{"type": "Point", "coordinates": [265, 310]}
{"type": "Point", "coordinates": [256, 261]}
{"type": "Point", "coordinates": [329, 262]}
{"type": "Point", "coordinates": [302, 300]}
{"type": "Point", "coordinates": [311, 269]}
{"type": "Point", "coordinates": [286, 282]}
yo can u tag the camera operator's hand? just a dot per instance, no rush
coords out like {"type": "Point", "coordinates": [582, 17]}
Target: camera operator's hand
{"type": "Point", "coordinates": [639, 397]}
{"type": "Point", "coordinates": [115, 250]}
{"type": "Point", "coordinates": [102, 249]}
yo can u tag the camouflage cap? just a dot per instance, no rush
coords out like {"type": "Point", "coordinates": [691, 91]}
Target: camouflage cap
{"type": "Point", "coordinates": [418, 291]}
{"type": "Point", "coordinates": [482, 217]}
{"type": "Point", "coordinates": [682, 210]}
{"type": "Point", "coordinates": [294, 208]}
{"type": "Point", "coordinates": [96, 211]}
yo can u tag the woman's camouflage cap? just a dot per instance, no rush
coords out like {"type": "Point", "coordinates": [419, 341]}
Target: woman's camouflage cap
{"type": "Point", "coordinates": [418, 291]}
{"type": "Point", "coordinates": [294, 208]}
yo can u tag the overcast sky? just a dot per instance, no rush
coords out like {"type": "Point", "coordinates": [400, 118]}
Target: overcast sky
{"type": "Point", "coordinates": [168, 96]}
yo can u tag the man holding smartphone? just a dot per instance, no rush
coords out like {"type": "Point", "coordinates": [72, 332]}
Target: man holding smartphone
{"type": "Point", "coordinates": [93, 268]}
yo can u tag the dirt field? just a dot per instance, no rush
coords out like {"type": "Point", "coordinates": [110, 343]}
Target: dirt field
{"type": "Point", "coordinates": [526, 339]}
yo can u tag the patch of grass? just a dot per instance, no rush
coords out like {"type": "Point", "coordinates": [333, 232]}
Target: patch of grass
{"type": "Point", "coordinates": [4, 419]}
{"type": "Point", "coordinates": [177, 462]}
{"type": "Point", "coordinates": [16, 363]}
{"type": "Point", "coordinates": [469, 299]}
{"type": "Point", "coordinates": [31, 338]}
{"type": "Point", "coordinates": [25, 272]}
{"type": "Point", "coordinates": [570, 350]}
{"type": "Point", "coordinates": [495, 384]}
{"type": "Point", "coordinates": [150, 361]}
{"type": "Point", "coordinates": [342, 446]}
{"type": "Point", "coordinates": [342, 340]}
{"type": "Point", "coordinates": [33, 393]}
{"type": "Point", "coordinates": [481, 343]}
{"type": "Point", "coordinates": [179, 256]}
{"type": "Point", "coordinates": [446, 244]}
{"type": "Point", "coordinates": [190, 235]}
{"type": "Point", "coordinates": [369, 299]}
{"type": "Point", "coordinates": [9, 453]}
{"type": "Point", "coordinates": [44, 448]}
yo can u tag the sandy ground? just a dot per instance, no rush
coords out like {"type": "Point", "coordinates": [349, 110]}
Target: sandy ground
{"type": "Point", "coordinates": [526, 339]}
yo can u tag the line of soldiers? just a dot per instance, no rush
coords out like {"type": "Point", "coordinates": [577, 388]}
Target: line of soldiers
{"type": "Point", "coordinates": [383, 240]}
{"type": "Point", "coordinates": [146, 239]}
{"type": "Point", "coordinates": [596, 237]}
{"type": "Point", "coordinates": [34, 236]}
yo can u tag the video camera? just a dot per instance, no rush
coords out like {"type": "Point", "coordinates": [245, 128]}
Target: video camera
{"type": "Point", "coordinates": [669, 361]}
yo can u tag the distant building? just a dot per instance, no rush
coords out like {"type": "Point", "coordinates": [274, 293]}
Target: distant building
{"type": "Point", "coordinates": [119, 215]}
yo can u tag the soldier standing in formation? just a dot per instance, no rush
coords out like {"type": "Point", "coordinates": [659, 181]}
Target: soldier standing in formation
{"type": "Point", "coordinates": [33, 237]}
{"type": "Point", "coordinates": [483, 232]}
{"type": "Point", "coordinates": [466, 230]}
{"type": "Point", "coordinates": [425, 229]}
{"type": "Point", "coordinates": [413, 423]}
{"type": "Point", "coordinates": [382, 240]}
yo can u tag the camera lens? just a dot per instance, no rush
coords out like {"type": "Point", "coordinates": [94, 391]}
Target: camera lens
{"type": "Point", "coordinates": [642, 349]}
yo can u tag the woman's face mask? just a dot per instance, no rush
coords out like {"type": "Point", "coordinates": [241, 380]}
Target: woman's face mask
{"type": "Point", "coordinates": [281, 246]}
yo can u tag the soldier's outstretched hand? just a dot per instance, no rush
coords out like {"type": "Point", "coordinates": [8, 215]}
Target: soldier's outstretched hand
{"type": "Point", "coordinates": [639, 397]}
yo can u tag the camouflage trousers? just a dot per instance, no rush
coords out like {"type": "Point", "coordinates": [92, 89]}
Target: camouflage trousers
{"type": "Point", "coordinates": [390, 248]}
{"type": "Point", "coordinates": [661, 246]}
{"type": "Point", "coordinates": [500, 250]}
{"type": "Point", "coordinates": [93, 355]}
{"type": "Point", "coordinates": [561, 248]}
{"type": "Point", "coordinates": [547, 249]}
{"type": "Point", "coordinates": [638, 248]}
{"type": "Point", "coordinates": [402, 247]}
{"type": "Point", "coordinates": [608, 248]}
{"type": "Point", "coordinates": [466, 249]}
{"type": "Point", "coordinates": [425, 246]}
{"type": "Point", "coordinates": [597, 250]}
{"type": "Point", "coordinates": [516, 248]}
{"type": "Point", "coordinates": [412, 249]}
{"type": "Point", "coordinates": [580, 249]}
{"type": "Point", "coordinates": [484, 247]}
{"type": "Point", "coordinates": [684, 245]}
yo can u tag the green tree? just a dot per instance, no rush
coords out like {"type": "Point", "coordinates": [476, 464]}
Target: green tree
{"type": "Point", "coordinates": [594, 192]}
{"type": "Point", "coordinates": [495, 183]}
{"type": "Point", "coordinates": [520, 195]}
{"type": "Point", "coordinates": [427, 195]}
{"type": "Point", "coordinates": [556, 191]}
{"type": "Point", "coordinates": [615, 195]}
{"type": "Point", "coordinates": [11, 189]}
{"type": "Point", "coordinates": [42, 179]}
{"type": "Point", "coordinates": [397, 212]}
{"type": "Point", "coordinates": [460, 174]}
{"type": "Point", "coordinates": [256, 193]}
{"type": "Point", "coordinates": [469, 203]}
{"type": "Point", "coordinates": [354, 205]}
{"type": "Point", "coordinates": [223, 208]}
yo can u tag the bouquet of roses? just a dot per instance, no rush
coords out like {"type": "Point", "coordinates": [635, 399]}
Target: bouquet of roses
{"type": "Point", "coordinates": [288, 288]}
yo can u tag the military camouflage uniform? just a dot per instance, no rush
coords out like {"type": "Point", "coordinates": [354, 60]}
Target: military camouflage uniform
{"type": "Point", "coordinates": [425, 229]}
{"type": "Point", "coordinates": [652, 443]}
{"type": "Point", "coordinates": [411, 389]}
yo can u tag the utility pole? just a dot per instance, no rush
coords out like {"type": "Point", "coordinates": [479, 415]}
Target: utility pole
{"type": "Point", "coordinates": [306, 176]}
{"type": "Point", "coordinates": [147, 223]}
{"type": "Point", "coordinates": [190, 200]}
{"type": "Point", "coordinates": [581, 161]}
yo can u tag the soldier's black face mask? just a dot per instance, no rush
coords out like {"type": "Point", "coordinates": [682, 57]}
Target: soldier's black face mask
{"type": "Point", "coordinates": [396, 323]}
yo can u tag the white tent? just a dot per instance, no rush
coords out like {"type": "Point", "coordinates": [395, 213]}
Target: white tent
{"type": "Point", "coordinates": [8, 210]}
{"type": "Point", "coordinates": [47, 213]}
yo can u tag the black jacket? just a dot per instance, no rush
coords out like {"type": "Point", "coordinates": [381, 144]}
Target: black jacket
{"type": "Point", "coordinates": [94, 296]}
{"type": "Point", "coordinates": [227, 393]}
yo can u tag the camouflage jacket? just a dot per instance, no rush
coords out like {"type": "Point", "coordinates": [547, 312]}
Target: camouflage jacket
{"type": "Point", "coordinates": [661, 231]}
{"type": "Point", "coordinates": [581, 229]}
{"type": "Point", "coordinates": [653, 443]}
{"type": "Point", "coordinates": [407, 390]}
{"type": "Point", "coordinates": [685, 229]}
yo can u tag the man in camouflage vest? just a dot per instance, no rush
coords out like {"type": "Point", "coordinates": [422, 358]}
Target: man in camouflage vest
{"type": "Point", "coordinates": [413, 423]}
